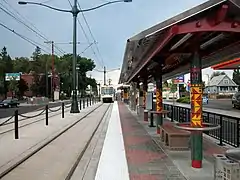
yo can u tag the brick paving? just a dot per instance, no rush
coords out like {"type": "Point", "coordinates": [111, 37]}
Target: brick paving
{"type": "Point", "coordinates": [146, 161]}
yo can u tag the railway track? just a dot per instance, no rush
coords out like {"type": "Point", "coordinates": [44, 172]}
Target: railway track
{"type": "Point", "coordinates": [59, 157]}
{"type": "Point", "coordinates": [8, 127]}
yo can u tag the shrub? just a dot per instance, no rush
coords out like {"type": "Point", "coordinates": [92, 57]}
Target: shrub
{"type": "Point", "coordinates": [185, 100]}
{"type": "Point", "coordinates": [224, 96]}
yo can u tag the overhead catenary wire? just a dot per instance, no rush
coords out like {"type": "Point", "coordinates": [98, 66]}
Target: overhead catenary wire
{"type": "Point", "coordinates": [18, 17]}
{"type": "Point", "coordinates": [32, 42]}
{"type": "Point", "coordinates": [90, 31]}
{"type": "Point", "coordinates": [85, 34]}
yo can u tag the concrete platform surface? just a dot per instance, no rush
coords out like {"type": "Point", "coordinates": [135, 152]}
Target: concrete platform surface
{"type": "Point", "coordinates": [149, 158]}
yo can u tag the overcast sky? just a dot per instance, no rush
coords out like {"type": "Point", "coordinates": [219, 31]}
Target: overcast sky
{"type": "Point", "coordinates": [110, 26]}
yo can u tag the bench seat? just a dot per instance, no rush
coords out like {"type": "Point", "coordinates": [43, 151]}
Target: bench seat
{"type": "Point", "coordinates": [173, 138]}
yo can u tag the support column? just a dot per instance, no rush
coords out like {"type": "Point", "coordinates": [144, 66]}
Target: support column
{"type": "Point", "coordinates": [196, 110]}
{"type": "Point", "coordinates": [133, 96]}
{"type": "Point", "coordinates": [125, 95]}
{"type": "Point", "coordinates": [159, 105]}
{"type": "Point", "coordinates": [145, 87]}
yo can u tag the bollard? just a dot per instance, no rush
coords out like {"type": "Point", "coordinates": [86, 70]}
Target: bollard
{"type": "Point", "coordinates": [62, 109]}
{"type": "Point", "coordinates": [145, 115]}
{"type": "Point", "coordinates": [80, 104]}
{"type": "Point", "coordinates": [87, 102]}
{"type": "Point", "coordinates": [84, 103]}
{"type": "Point", "coordinates": [90, 101]}
{"type": "Point", "coordinates": [16, 125]}
{"type": "Point", "coordinates": [151, 121]}
{"type": "Point", "coordinates": [46, 109]}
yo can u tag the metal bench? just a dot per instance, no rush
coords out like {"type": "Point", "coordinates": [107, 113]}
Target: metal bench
{"type": "Point", "coordinates": [173, 138]}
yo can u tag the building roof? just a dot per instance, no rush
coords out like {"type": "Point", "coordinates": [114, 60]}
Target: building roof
{"type": "Point", "coordinates": [231, 64]}
{"type": "Point", "coordinates": [217, 79]}
{"type": "Point", "coordinates": [170, 41]}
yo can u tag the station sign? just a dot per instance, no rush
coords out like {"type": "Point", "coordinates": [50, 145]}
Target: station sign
{"type": "Point", "coordinates": [12, 76]}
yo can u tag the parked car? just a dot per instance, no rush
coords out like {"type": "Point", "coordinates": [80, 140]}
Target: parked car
{"type": "Point", "coordinates": [8, 103]}
{"type": "Point", "coordinates": [236, 100]}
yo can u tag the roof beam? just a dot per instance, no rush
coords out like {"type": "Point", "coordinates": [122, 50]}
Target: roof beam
{"type": "Point", "coordinates": [159, 45]}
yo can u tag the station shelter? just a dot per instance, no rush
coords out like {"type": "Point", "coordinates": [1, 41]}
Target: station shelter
{"type": "Point", "coordinates": [198, 38]}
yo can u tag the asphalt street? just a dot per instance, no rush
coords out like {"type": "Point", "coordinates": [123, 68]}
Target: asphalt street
{"type": "Point", "coordinates": [6, 112]}
{"type": "Point", "coordinates": [222, 104]}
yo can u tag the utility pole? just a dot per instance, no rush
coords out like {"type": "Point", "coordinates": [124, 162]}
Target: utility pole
{"type": "Point", "coordinates": [53, 72]}
{"type": "Point", "coordinates": [46, 73]}
{"type": "Point", "coordinates": [104, 78]}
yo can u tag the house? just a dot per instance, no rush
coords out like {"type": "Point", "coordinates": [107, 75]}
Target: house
{"type": "Point", "coordinates": [221, 84]}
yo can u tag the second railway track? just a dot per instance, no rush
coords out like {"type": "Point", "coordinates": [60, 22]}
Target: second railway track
{"type": "Point", "coordinates": [59, 157]}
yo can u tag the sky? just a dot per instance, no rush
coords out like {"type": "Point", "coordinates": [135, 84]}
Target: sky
{"type": "Point", "coordinates": [110, 27]}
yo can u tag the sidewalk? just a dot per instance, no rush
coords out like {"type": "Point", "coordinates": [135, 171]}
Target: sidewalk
{"type": "Point", "coordinates": [33, 136]}
{"type": "Point", "coordinates": [148, 159]}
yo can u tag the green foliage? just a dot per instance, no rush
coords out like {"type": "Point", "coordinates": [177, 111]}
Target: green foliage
{"type": "Point", "coordinates": [22, 86]}
{"type": "Point", "coordinates": [6, 66]}
{"type": "Point", "coordinates": [173, 87]}
{"type": "Point", "coordinates": [236, 77]}
{"type": "Point", "coordinates": [185, 100]}
{"type": "Point", "coordinates": [42, 64]}
{"type": "Point", "coordinates": [165, 84]}
{"type": "Point", "coordinates": [13, 86]}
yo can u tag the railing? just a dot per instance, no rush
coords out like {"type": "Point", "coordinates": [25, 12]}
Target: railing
{"type": "Point", "coordinates": [230, 126]}
{"type": "Point", "coordinates": [14, 119]}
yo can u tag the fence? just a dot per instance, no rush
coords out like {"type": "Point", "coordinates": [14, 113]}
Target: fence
{"type": "Point", "coordinates": [230, 127]}
{"type": "Point", "coordinates": [45, 110]}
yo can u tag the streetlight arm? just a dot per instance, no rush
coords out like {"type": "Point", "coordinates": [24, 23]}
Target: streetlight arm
{"type": "Point", "coordinates": [113, 70]}
{"type": "Point", "coordinates": [107, 3]}
{"type": "Point", "coordinates": [45, 5]}
{"type": "Point", "coordinates": [106, 70]}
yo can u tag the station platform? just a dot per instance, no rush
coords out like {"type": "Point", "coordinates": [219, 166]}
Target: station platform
{"type": "Point", "coordinates": [127, 150]}
{"type": "Point", "coordinates": [132, 150]}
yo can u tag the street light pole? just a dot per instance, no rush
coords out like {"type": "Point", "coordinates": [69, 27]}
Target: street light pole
{"type": "Point", "coordinates": [74, 11]}
{"type": "Point", "coordinates": [74, 106]}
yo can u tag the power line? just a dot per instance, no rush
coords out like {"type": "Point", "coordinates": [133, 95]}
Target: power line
{"type": "Point", "coordinates": [85, 34]}
{"type": "Point", "coordinates": [23, 37]}
{"type": "Point", "coordinates": [37, 31]}
{"type": "Point", "coordinates": [91, 34]}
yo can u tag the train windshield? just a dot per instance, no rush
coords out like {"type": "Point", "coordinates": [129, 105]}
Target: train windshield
{"type": "Point", "coordinates": [107, 90]}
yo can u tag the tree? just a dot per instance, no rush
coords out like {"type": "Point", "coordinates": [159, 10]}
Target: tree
{"type": "Point", "coordinates": [64, 66]}
{"type": "Point", "coordinates": [236, 77]}
{"type": "Point", "coordinates": [36, 64]}
{"type": "Point", "coordinates": [21, 64]}
{"type": "Point", "coordinates": [217, 73]}
{"type": "Point", "coordinates": [22, 86]}
{"type": "Point", "coordinates": [173, 87]}
{"type": "Point", "coordinates": [6, 66]}
{"type": "Point", "coordinates": [13, 86]}
{"type": "Point", "coordinates": [7, 61]}
{"type": "Point", "coordinates": [165, 84]}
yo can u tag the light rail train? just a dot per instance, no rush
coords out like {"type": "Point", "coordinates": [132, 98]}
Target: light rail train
{"type": "Point", "coordinates": [107, 94]}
